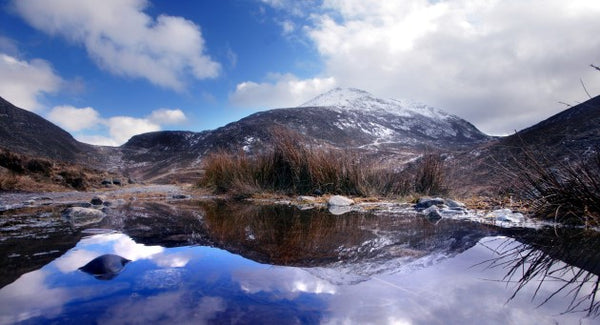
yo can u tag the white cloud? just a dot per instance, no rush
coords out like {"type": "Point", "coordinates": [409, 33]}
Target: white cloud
{"type": "Point", "coordinates": [122, 128]}
{"type": "Point", "coordinates": [88, 126]}
{"type": "Point", "coordinates": [74, 119]}
{"type": "Point", "coordinates": [23, 82]}
{"type": "Point", "coordinates": [282, 91]}
{"type": "Point", "coordinates": [167, 116]}
{"type": "Point", "coordinates": [124, 40]}
{"type": "Point", "coordinates": [503, 65]}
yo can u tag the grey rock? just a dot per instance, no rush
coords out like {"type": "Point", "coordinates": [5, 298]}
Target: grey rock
{"type": "Point", "coordinates": [338, 200]}
{"type": "Point", "coordinates": [107, 182]}
{"type": "Point", "coordinates": [454, 204]}
{"type": "Point", "coordinates": [180, 196]}
{"type": "Point", "coordinates": [116, 181]}
{"type": "Point", "coordinates": [80, 217]}
{"type": "Point", "coordinates": [432, 213]}
{"type": "Point", "coordinates": [426, 202]}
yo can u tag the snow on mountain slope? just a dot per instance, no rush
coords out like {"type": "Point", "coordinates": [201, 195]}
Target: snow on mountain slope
{"type": "Point", "coordinates": [394, 121]}
{"type": "Point", "coordinates": [360, 100]}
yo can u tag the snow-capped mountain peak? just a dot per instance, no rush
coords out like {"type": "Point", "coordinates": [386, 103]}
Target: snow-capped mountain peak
{"type": "Point", "coordinates": [360, 100]}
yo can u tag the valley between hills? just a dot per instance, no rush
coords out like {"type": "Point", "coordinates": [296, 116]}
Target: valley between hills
{"type": "Point", "coordinates": [388, 150]}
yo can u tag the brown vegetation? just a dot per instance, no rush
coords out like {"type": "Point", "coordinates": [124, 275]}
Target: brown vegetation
{"type": "Point", "coordinates": [293, 168]}
{"type": "Point", "coordinates": [24, 173]}
{"type": "Point", "coordinates": [567, 191]}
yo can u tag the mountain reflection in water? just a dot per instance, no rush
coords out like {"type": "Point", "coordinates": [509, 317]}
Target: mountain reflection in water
{"type": "Point", "coordinates": [234, 263]}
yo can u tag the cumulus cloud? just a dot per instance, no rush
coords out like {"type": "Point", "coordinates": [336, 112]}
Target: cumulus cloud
{"type": "Point", "coordinates": [74, 119]}
{"type": "Point", "coordinates": [279, 91]}
{"type": "Point", "coordinates": [88, 126]}
{"type": "Point", "coordinates": [167, 116]}
{"type": "Point", "coordinates": [503, 65]}
{"type": "Point", "coordinates": [124, 40]}
{"type": "Point", "coordinates": [22, 82]}
{"type": "Point", "coordinates": [122, 128]}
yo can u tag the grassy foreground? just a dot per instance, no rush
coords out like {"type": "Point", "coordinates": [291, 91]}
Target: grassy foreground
{"type": "Point", "coordinates": [290, 167]}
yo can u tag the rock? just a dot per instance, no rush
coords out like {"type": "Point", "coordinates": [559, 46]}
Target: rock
{"type": "Point", "coordinates": [338, 200]}
{"type": "Point", "coordinates": [506, 215]}
{"type": "Point", "coordinates": [317, 192]}
{"type": "Point", "coordinates": [116, 181]}
{"type": "Point", "coordinates": [107, 182]}
{"type": "Point", "coordinates": [105, 267]}
{"type": "Point", "coordinates": [306, 198]}
{"type": "Point", "coordinates": [97, 200]}
{"type": "Point", "coordinates": [432, 213]}
{"type": "Point", "coordinates": [426, 202]}
{"type": "Point", "coordinates": [80, 217]}
{"type": "Point", "coordinates": [180, 196]}
{"type": "Point", "coordinates": [455, 204]}
{"type": "Point", "coordinates": [339, 209]}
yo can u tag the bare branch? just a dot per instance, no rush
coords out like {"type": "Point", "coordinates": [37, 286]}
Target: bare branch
{"type": "Point", "coordinates": [595, 67]}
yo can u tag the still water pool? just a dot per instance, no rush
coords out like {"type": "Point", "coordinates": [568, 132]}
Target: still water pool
{"type": "Point", "coordinates": [284, 266]}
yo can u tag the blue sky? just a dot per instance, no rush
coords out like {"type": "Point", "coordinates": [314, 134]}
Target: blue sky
{"type": "Point", "coordinates": [106, 70]}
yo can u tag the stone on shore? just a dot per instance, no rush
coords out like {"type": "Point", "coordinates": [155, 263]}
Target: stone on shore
{"type": "Point", "coordinates": [80, 217]}
{"type": "Point", "coordinates": [426, 202]}
{"type": "Point", "coordinates": [341, 201]}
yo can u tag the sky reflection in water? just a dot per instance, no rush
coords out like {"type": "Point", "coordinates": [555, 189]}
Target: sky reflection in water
{"type": "Point", "coordinates": [198, 284]}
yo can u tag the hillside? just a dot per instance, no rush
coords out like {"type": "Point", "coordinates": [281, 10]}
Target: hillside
{"type": "Point", "coordinates": [570, 136]}
{"type": "Point", "coordinates": [25, 132]}
{"type": "Point", "coordinates": [349, 119]}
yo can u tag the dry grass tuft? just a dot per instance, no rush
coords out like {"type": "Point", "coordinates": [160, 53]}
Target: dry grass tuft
{"type": "Point", "coordinates": [290, 167]}
{"type": "Point", "coordinates": [568, 191]}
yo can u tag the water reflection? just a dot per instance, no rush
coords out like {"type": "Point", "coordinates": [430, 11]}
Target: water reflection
{"type": "Point", "coordinates": [285, 235]}
{"type": "Point", "coordinates": [231, 263]}
{"type": "Point", "coordinates": [567, 260]}
{"type": "Point", "coordinates": [105, 267]}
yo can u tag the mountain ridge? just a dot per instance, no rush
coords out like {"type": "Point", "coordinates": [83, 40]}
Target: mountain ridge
{"type": "Point", "coordinates": [392, 131]}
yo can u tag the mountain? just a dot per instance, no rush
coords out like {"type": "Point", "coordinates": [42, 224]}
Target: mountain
{"type": "Point", "coordinates": [25, 132]}
{"type": "Point", "coordinates": [571, 135]}
{"type": "Point", "coordinates": [375, 122]}
{"type": "Point", "coordinates": [349, 119]}
{"type": "Point", "coordinates": [574, 132]}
